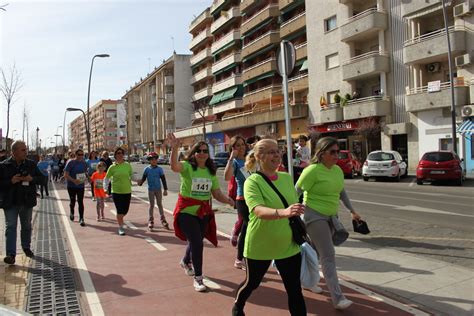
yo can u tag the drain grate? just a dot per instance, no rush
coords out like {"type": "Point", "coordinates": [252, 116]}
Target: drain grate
{"type": "Point", "coordinates": [51, 289]}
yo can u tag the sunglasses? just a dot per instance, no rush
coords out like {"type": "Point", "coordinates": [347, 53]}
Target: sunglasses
{"type": "Point", "coordinates": [333, 152]}
{"type": "Point", "coordinates": [204, 151]}
{"type": "Point", "coordinates": [80, 155]}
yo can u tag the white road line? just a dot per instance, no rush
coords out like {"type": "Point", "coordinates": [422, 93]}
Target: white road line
{"type": "Point", "coordinates": [91, 295]}
{"type": "Point", "coordinates": [155, 244]}
{"type": "Point", "coordinates": [113, 212]}
{"type": "Point", "coordinates": [130, 225]}
{"type": "Point", "coordinates": [412, 183]}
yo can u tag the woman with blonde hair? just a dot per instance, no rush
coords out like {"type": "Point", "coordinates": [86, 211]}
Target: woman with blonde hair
{"type": "Point", "coordinates": [322, 183]}
{"type": "Point", "coordinates": [269, 236]}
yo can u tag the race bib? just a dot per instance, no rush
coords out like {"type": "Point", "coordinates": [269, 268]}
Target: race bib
{"type": "Point", "coordinates": [201, 186]}
{"type": "Point", "coordinates": [99, 184]}
{"type": "Point", "coordinates": [81, 177]}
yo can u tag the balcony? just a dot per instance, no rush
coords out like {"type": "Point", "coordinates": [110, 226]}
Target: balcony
{"type": "Point", "coordinates": [201, 56]}
{"type": "Point", "coordinates": [169, 98]}
{"type": "Point", "coordinates": [261, 116]}
{"type": "Point", "coordinates": [169, 116]}
{"type": "Point", "coordinates": [259, 69]}
{"type": "Point", "coordinates": [282, 4]}
{"type": "Point", "coordinates": [419, 99]}
{"type": "Point", "coordinates": [365, 65]}
{"type": "Point", "coordinates": [195, 130]}
{"type": "Point", "coordinates": [198, 114]}
{"type": "Point", "coordinates": [233, 13]}
{"type": "Point", "coordinates": [364, 25]}
{"type": "Point", "coordinates": [263, 94]}
{"type": "Point", "coordinates": [246, 4]}
{"type": "Point", "coordinates": [411, 7]}
{"type": "Point", "coordinates": [203, 93]}
{"type": "Point", "coordinates": [227, 106]}
{"type": "Point", "coordinates": [367, 107]}
{"type": "Point", "coordinates": [199, 20]}
{"type": "Point", "coordinates": [293, 25]}
{"type": "Point", "coordinates": [225, 40]}
{"type": "Point", "coordinates": [429, 47]}
{"type": "Point", "coordinates": [227, 61]}
{"type": "Point", "coordinates": [169, 80]}
{"type": "Point", "coordinates": [301, 51]}
{"type": "Point", "coordinates": [201, 37]}
{"type": "Point", "coordinates": [216, 5]}
{"type": "Point", "coordinates": [226, 83]}
{"type": "Point", "coordinates": [266, 13]}
{"type": "Point", "coordinates": [201, 75]}
{"type": "Point", "coordinates": [298, 83]}
{"type": "Point", "coordinates": [263, 41]}
{"type": "Point", "coordinates": [332, 113]}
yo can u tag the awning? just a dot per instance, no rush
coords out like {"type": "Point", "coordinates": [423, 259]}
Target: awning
{"type": "Point", "coordinates": [304, 66]}
{"type": "Point", "coordinates": [255, 79]}
{"type": "Point", "coordinates": [256, 28]}
{"type": "Point", "coordinates": [259, 52]}
{"type": "Point", "coordinates": [466, 128]}
{"type": "Point", "coordinates": [216, 98]}
{"type": "Point", "coordinates": [233, 92]}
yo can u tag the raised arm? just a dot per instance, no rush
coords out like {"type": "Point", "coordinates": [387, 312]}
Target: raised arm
{"type": "Point", "coordinates": [176, 165]}
{"type": "Point", "coordinates": [229, 167]}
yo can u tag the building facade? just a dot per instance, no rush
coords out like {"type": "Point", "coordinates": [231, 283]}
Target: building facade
{"type": "Point", "coordinates": [158, 105]}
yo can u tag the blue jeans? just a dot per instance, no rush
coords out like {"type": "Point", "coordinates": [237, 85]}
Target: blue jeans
{"type": "Point", "coordinates": [11, 219]}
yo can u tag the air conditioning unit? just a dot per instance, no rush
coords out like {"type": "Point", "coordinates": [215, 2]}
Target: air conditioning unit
{"type": "Point", "coordinates": [462, 9]}
{"type": "Point", "coordinates": [433, 67]}
{"type": "Point", "coordinates": [467, 110]}
{"type": "Point", "coordinates": [463, 60]}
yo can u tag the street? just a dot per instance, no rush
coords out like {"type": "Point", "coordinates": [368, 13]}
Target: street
{"type": "Point", "coordinates": [434, 221]}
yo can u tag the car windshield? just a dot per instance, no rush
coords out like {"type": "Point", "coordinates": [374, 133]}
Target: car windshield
{"type": "Point", "coordinates": [343, 155]}
{"type": "Point", "coordinates": [438, 156]}
{"type": "Point", "coordinates": [380, 156]}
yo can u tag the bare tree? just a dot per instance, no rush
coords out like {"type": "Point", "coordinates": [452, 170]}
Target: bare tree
{"type": "Point", "coordinates": [10, 84]}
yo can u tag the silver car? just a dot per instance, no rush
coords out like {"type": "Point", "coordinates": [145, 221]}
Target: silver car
{"type": "Point", "coordinates": [384, 163]}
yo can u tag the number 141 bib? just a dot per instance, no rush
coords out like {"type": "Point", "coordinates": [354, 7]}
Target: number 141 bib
{"type": "Point", "coordinates": [201, 186]}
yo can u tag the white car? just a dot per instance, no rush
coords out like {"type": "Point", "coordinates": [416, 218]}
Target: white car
{"type": "Point", "coordinates": [384, 163]}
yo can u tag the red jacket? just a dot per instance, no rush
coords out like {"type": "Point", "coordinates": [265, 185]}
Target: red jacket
{"type": "Point", "coordinates": [205, 209]}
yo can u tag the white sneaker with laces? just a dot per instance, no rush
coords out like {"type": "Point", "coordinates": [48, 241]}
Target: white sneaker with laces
{"type": "Point", "coordinates": [187, 267]}
{"type": "Point", "coordinates": [315, 289]}
{"type": "Point", "coordinates": [343, 304]}
{"type": "Point", "coordinates": [199, 284]}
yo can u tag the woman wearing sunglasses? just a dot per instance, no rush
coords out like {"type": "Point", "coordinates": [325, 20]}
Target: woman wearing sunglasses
{"type": "Point", "coordinates": [193, 215]}
{"type": "Point", "coordinates": [323, 185]}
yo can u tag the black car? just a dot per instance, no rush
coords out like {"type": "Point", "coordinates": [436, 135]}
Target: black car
{"type": "Point", "coordinates": [220, 159]}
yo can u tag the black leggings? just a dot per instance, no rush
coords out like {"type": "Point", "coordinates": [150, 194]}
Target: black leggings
{"type": "Point", "coordinates": [289, 269]}
{"type": "Point", "coordinates": [193, 228]}
{"type": "Point", "coordinates": [44, 185]}
{"type": "Point", "coordinates": [122, 202]}
{"type": "Point", "coordinates": [79, 194]}
{"type": "Point", "coordinates": [243, 210]}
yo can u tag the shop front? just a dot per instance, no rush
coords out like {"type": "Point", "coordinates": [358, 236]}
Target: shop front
{"type": "Point", "coordinates": [466, 129]}
{"type": "Point", "coordinates": [216, 142]}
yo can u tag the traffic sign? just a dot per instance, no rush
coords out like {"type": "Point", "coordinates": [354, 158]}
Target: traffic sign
{"type": "Point", "coordinates": [289, 55]}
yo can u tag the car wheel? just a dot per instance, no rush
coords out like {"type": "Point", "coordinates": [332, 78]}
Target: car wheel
{"type": "Point", "coordinates": [366, 178]}
{"type": "Point", "coordinates": [419, 181]}
{"type": "Point", "coordinates": [459, 181]}
{"type": "Point", "coordinates": [397, 178]}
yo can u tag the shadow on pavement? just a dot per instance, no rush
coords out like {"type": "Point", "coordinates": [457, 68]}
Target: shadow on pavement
{"type": "Point", "coordinates": [402, 243]}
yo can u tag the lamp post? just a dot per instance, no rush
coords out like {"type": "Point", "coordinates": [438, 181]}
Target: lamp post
{"type": "Point", "coordinates": [88, 99]}
{"type": "Point", "coordinates": [85, 123]}
{"type": "Point", "coordinates": [38, 142]}
{"type": "Point", "coordinates": [56, 135]}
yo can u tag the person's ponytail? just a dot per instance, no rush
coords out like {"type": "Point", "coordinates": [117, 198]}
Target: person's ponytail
{"type": "Point", "coordinates": [251, 161]}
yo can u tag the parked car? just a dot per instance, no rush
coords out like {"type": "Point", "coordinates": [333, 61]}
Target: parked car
{"type": "Point", "coordinates": [144, 159]}
{"type": "Point", "coordinates": [384, 163]}
{"type": "Point", "coordinates": [349, 164]}
{"type": "Point", "coordinates": [220, 159]}
{"type": "Point", "coordinates": [440, 165]}
{"type": "Point", "coordinates": [133, 158]}
{"type": "Point", "coordinates": [163, 160]}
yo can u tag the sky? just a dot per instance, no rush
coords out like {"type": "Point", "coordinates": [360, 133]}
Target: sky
{"type": "Point", "coordinates": [52, 43]}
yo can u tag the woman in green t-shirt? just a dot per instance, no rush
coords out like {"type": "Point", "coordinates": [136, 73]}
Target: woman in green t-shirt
{"type": "Point", "coordinates": [193, 215]}
{"type": "Point", "coordinates": [323, 185]}
{"type": "Point", "coordinates": [269, 235]}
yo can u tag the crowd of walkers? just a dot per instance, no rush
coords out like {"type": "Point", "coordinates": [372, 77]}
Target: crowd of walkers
{"type": "Point", "coordinates": [263, 193]}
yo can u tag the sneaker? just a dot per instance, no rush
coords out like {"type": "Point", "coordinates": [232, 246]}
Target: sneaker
{"type": "Point", "coordinates": [187, 267]}
{"type": "Point", "coordinates": [343, 304]}
{"type": "Point", "coordinates": [93, 199]}
{"type": "Point", "coordinates": [150, 225]}
{"type": "Point", "coordinates": [199, 284]}
{"type": "Point", "coordinates": [10, 259]}
{"type": "Point", "coordinates": [121, 231]}
{"type": "Point", "coordinates": [98, 218]}
{"type": "Point", "coordinates": [81, 222]}
{"type": "Point", "coordinates": [239, 264]}
{"type": "Point", "coordinates": [237, 311]}
{"type": "Point", "coordinates": [102, 217]}
{"type": "Point", "coordinates": [315, 289]}
{"type": "Point", "coordinates": [165, 223]}
{"type": "Point", "coordinates": [71, 217]}
{"type": "Point", "coordinates": [28, 252]}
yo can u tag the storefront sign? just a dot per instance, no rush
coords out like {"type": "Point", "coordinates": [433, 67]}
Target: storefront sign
{"type": "Point", "coordinates": [336, 127]}
{"type": "Point", "coordinates": [434, 86]}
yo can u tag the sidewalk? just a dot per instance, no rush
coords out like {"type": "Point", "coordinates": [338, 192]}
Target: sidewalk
{"type": "Point", "coordinates": [140, 272]}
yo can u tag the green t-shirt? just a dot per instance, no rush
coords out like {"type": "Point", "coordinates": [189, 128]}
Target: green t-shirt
{"type": "Point", "coordinates": [121, 175]}
{"type": "Point", "coordinates": [269, 239]}
{"type": "Point", "coordinates": [196, 184]}
{"type": "Point", "coordinates": [322, 187]}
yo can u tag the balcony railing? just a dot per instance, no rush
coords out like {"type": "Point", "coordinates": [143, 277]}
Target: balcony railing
{"type": "Point", "coordinates": [271, 10]}
{"type": "Point", "coordinates": [231, 14]}
{"type": "Point", "coordinates": [198, 39]}
{"type": "Point", "coordinates": [425, 89]}
{"type": "Point", "coordinates": [226, 39]}
{"type": "Point", "coordinates": [202, 55]}
{"type": "Point", "coordinates": [434, 34]}
{"type": "Point", "coordinates": [229, 60]}
{"type": "Point", "coordinates": [198, 20]}
{"type": "Point", "coordinates": [266, 39]}
{"type": "Point", "coordinates": [364, 56]}
{"type": "Point", "coordinates": [227, 83]}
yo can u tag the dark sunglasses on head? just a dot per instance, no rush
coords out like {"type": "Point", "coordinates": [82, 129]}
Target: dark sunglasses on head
{"type": "Point", "coordinates": [204, 151]}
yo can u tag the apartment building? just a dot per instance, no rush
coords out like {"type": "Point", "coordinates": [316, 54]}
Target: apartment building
{"type": "Point", "coordinates": [159, 104]}
{"type": "Point", "coordinates": [103, 128]}
{"type": "Point", "coordinates": [373, 61]}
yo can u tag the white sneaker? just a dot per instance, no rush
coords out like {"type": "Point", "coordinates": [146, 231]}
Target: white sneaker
{"type": "Point", "coordinates": [188, 268]}
{"type": "Point", "coordinates": [343, 304]}
{"type": "Point", "coordinates": [315, 289]}
{"type": "Point", "coordinates": [121, 231]}
{"type": "Point", "coordinates": [199, 284]}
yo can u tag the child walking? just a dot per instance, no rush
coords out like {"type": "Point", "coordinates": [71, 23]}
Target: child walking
{"type": "Point", "coordinates": [155, 176]}
{"type": "Point", "coordinates": [97, 180]}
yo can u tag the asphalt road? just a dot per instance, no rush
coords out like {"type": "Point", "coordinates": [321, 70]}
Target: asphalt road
{"type": "Point", "coordinates": [434, 221]}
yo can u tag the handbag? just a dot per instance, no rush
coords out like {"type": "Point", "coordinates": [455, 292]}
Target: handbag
{"type": "Point", "coordinates": [340, 234]}
{"type": "Point", "coordinates": [309, 275]}
{"type": "Point", "coordinates": [298, 227]}
{"type": "Point", "coordinates": [360, 227]}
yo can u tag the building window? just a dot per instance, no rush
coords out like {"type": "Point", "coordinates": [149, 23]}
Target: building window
{"type": "Point", "coordinates": [447, 144]}
{"type": "Point", "coordinates": [331, 96]}
{"type": "Point", "coordinates": [332, 61]}
{"type": "Point", "coordinates": [330, 23]}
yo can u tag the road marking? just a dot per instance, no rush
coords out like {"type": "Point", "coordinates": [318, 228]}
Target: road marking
{"type": "Point", "coordinates": [412, 183]}
{"type": "Point", "coordinates": [413, 208]}
{"type": "Point", "coordinates": [91, 295]}
{"type": "Point", "coordinates": [423, 238]}
{"type": "Point", "coordinates": [155, 244]}
{"type": "Point", "coordinates": [130, 225]}
{"type": "Point", "coordinates": [211, 284]}
{"type": "Point", "coordinates": [113, 212]}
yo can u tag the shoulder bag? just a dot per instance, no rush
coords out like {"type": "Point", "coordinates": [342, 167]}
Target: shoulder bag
{"type": "Point", "coordinates": [298, 228]}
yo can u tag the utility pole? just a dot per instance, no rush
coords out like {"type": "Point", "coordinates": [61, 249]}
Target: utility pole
{"type": "Point", "coordinates": [37, 139]}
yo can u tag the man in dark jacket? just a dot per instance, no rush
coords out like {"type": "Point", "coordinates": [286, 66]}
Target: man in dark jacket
{"type": "Point", "coordinates": [18, 179]}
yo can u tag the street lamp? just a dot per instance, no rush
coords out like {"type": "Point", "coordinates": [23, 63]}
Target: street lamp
{"type": "Point", "coordinates": [56, 135]}
{"type": "Point", "coordinates": [88, 99]}
{"type": "Point", "coordinates": [85, 123]}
